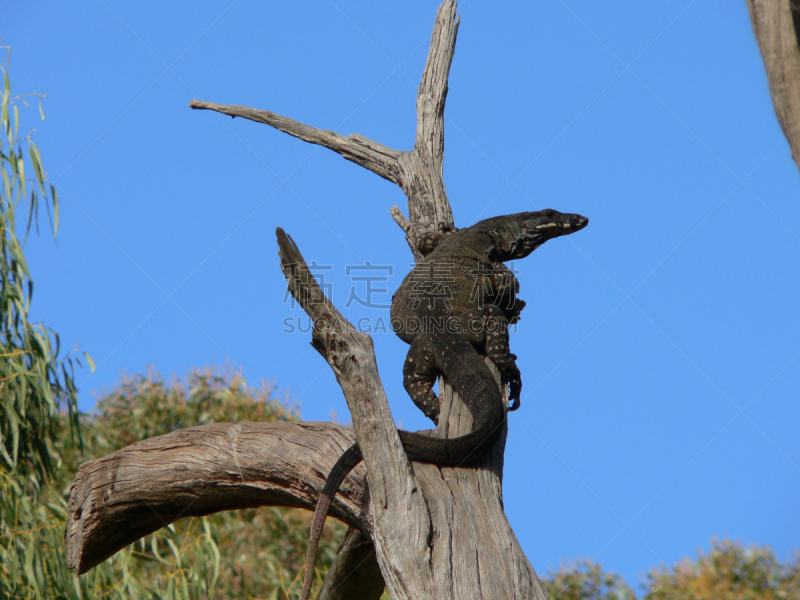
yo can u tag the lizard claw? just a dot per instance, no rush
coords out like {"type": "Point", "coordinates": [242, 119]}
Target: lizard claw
{"type": "Point", "coordinates": [515, 386]}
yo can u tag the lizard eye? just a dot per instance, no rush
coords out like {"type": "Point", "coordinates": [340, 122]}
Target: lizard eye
{"type": "Point", "coordinates": [550, 214]}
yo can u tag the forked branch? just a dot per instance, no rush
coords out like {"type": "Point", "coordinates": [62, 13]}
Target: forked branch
{"type": "Point", "coordinates": [418, 172]}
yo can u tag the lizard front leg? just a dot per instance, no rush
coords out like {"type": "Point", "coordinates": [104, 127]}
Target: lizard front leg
{"type": "Point", "coordinates": [487, 330]}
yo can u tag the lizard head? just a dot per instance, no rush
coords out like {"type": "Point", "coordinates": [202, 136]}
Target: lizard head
{"type": "Point", "coordinates": [516, 236]}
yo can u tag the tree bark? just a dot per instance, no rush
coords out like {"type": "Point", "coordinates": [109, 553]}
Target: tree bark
{"type": "Point", "coordinates": [776, 24]}
{"type": "Point", "coordinates": [436, 532]}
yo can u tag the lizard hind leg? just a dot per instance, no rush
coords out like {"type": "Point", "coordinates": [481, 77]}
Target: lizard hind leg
{"type": "Point", "coordinates": [419, 376]}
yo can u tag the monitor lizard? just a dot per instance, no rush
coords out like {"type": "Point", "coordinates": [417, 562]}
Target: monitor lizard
{"type": "Point", "coordinates": [452, 308]}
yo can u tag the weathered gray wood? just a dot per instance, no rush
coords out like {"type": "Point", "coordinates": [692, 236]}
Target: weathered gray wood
{"type": "Point", "coordinates": [473, 551]}
{"type": "Point", "coordinates": [371, 155]}
{"type": "Point", "coordinates": [117, 499]}
{"type": "Point", "coordinates": [428, 207]}
{"type": "Point", "coordinates": [777, 34]}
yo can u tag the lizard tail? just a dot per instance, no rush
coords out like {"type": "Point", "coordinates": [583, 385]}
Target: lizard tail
{"type": "Point", "coordinates": [349, 459]}
{"type": "Point", "coordinates": [320, 513]}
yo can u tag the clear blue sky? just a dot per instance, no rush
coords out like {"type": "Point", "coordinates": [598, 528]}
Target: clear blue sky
{"type": "Point", "coordinates": [659, 348]}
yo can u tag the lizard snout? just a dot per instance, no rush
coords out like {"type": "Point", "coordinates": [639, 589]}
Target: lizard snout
{"type": "Point", "coordinates": [574, 224]}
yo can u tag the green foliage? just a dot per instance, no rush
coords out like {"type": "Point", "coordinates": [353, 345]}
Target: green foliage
{"type": "Point", "coordinates": [141, 407]}
{"type": "Point", "coordinates": [34, 384]}
{"type": "Point", "coordinates": [34, 566]}
{"type": "Point", "coordinates": [728, 572]}
{"type": "Point", "coordinates": [586, 580]}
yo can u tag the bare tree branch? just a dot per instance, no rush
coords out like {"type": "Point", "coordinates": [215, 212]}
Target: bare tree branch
{"type": "Point", "coordinates": [776, 24]}
{"type": "Point", "coordinates": [428, 206]}
{"type": "Point", "coordinates": [400, 218]}
{"type": "Point", "coordinates": [117, 499]}
{"type": "Point", "coordinates": [363, 151]}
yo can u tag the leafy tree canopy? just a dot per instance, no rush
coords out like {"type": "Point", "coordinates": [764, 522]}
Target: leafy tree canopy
{"type": "Point", "coordinates": [586, 580]}
{"type": "Point", "coordinates": [730, 571]}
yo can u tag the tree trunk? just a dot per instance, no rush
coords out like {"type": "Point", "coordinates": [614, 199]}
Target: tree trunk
{"type": "Point", "coordinates": [776, 24]}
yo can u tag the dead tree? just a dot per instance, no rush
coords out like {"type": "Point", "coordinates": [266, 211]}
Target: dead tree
{"type": "Point", "coordinates": [777, 27]}
{"type": "Point", "coordinates": [424, 531]}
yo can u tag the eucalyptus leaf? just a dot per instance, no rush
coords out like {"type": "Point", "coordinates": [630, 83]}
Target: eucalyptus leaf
{"type": "Point", "coordinates": [36, 160]}
{"type": "Point", "coordinates": [90, 361]}
{"type": "Point", "coordinates": [54, 198]}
